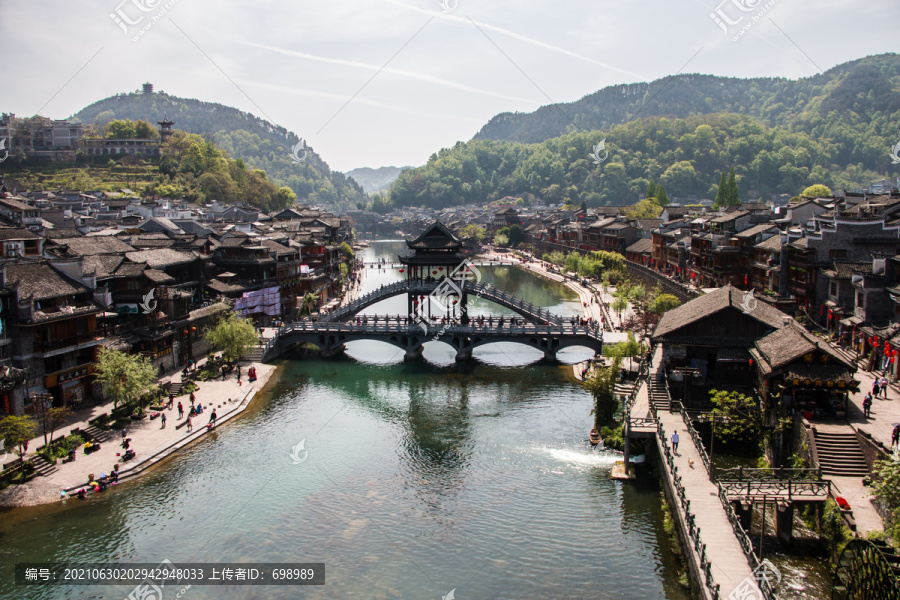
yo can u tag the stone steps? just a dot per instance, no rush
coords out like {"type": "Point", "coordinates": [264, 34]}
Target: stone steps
{"type": "Point", "coordinates": [840, 454]}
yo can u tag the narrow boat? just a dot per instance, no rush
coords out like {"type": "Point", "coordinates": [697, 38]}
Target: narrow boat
{"type": "Point", "coordinates": [594, 438]}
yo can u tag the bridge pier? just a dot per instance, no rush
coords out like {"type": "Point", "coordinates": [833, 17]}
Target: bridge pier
{"type": "Point", "coordinates": [744, 514]}
{"type": "Point", "coordinates": [331, 352]}
{"type": "Point", "coordinates": [784, 522]}
{"type": "Point", "coordinates": [413, 352]}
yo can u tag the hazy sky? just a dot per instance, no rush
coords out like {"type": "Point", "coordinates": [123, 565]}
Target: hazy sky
{"type": "Point", "coordinates": [418, 76]}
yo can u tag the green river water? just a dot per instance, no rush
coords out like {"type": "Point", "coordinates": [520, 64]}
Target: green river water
{"type": "Point", "coordinates": [419, 478]}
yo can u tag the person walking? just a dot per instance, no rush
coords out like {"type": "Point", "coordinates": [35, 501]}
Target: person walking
{"type": "Point", "coordinates": [884, 386]}
{"type": "Point", "coordinates": [867, 405]}
{"type": "Point", "coordinates": [875, 388]}
{"type": "Point", "coordinates": [895, 436]}
{"type": "Point", "coordinates": [180, 410]}
{"type": "Point", "coordinates": [212, 418]}
{"type": "Point", "coordinates": [675, 439]}
{"type": "Point", "coordinates": [190, 424]}
{"type": "Point", "coordinates": [162, 418]}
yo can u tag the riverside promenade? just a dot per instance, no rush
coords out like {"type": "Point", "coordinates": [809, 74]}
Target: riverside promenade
{"type": "Point", "coordinates": [151, 442]}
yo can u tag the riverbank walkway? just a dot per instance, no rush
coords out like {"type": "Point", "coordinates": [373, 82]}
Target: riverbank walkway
{"type": "Point", "coordinates": [149, 439]}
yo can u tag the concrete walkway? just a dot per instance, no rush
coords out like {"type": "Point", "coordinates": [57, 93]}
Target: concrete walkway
{"type": "Point", "coordinates": [729, 565]}
{"type": "Point", "coordinates": [149, 439]}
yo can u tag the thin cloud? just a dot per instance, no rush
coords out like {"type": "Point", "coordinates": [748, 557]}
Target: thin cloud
{"type": "Point", "coordinates": [341, 98]}
{"type": "Point", "coordinates": [521, 38]}
{"type": "Point", "coordinates": [400, 72]}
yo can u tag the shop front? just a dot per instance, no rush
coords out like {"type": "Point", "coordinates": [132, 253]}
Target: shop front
{"type": "Point", "coordinates": [71, 387]}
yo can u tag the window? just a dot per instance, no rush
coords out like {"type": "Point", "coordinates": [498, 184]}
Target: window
{"type": "Point", "coordinates": [837, 253]}
{"type": "Point", "coordinates": [834, 288]}
{"type": "Point", "coordinates": [132, 284]}
{"type": "Point", "coordinates": [860, 300]}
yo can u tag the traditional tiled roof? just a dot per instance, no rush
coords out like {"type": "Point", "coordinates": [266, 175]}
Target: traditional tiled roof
{"type": "Point", "coordinates": [435, 237]}
{"type": "Point", "coordinates": [773, 243]}
{"type": "Point", "coordinates": [84, 246]}
{"type": "Point", "coordinates": [788, 344]}
{"type": "Point", "coordinates": [102, 265]}
{"type": "Point", "coordinates": [161, 257]}
{"type": "Point", "coordinates": [643, 245]}
{"type": "Point", "coordinates": [130, 269]}
{"type": "Point", "coordinates": [41, 281]}
{"type": "Point", "coordinates": [713, 302]}
{"type": "Point", "coordinates": [17, 233]}
{"type": "Point", "coordinates": [158, 277]}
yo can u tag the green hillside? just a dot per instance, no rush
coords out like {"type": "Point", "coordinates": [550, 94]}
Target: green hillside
{"type": "Point", "coordinates": [260, 144]}
{"type": "Point", "coordinates": [864, 93]}
{"type": "Point", "coordinates": [687, 156]}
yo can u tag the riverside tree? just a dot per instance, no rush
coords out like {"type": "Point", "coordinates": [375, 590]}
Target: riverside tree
{"type": "Point", "coordinates": [602, 386]}
{"type": "Point", "coordinates": [124, 377]}
{"type": "Point", "coordinates": [233, 336]}
{"type": "Point", "coordinates": [16, 431]}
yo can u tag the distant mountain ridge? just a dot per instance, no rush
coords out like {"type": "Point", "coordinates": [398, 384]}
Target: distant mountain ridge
{"type": "Point", "coordinates": [866, 87]}
{"type": "Point", "coordinates": [260, 144]}
{"type": "Point", "coordinates": [375, 180]}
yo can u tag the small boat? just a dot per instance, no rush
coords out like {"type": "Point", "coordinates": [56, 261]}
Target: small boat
{"type": "Point", "coordinates": [594, 438]}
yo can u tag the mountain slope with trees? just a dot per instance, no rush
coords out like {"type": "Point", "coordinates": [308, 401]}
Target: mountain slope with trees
{"type": "Point", "coordinates": [685, 156]}
{"type": "Point", "coordinates": [260, 144]}
{"type": "Point", "coordinates": [860, 93]}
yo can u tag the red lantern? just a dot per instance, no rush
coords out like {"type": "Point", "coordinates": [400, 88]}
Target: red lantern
{"type": "Point", "coordinates": [745, 280]}
{"type": "Point", "coordinates": [893, 353]}
{"type": "Point", "coordinates": [401, 270]}
{"type": "Point", "coordinates": [830, 314]}
{"type": "Point", "coordinates": [751, 362]}
{"type": "Point", "coordinates": [822, 310]}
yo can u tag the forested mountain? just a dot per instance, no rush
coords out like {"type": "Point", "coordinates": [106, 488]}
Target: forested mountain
{"type": "Point", "coordinates": [861, 92]}
{"type": "Point", "coordinates": [260, 144]}
{"type": "Point", "coordinates": [780, 135]}
{"type": "Point", "coordinates": [375, 180]}
{"type": "Point", "coordinates": [687, 156]}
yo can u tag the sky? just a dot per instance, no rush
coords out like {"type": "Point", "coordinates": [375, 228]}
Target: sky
{"type": "Point", "coordinates": [370, 83]}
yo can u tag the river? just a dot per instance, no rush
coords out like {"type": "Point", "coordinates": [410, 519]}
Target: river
{"type": "Point", "coordinates": [414, 479]}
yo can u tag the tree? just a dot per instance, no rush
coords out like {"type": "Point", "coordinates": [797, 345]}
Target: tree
{"type": "Point", "coordinates": [663, 303]}
{"type": "Point", "coordinates": [17, 430]}
{"type": "Point", "coordinates": [346, 251]}
{"type": "Point", "coordinates": [886, 485]}
{"type": "Point", "coordinates": [627, 349]}
{"type": "Point", "coordinates": [309, 301]}
{"type": "Point", "coordinates": [602, 386]}
{"type": "Point", "coordinates": [721, 192]}
{"type": "Point", "coordinates": [643, 323]}
{"type": "Point", "coordinates": [472, 232]}
{"type": "Point", "coordinates": [285, 197]}
{"type": "Point", "coordinates": [124, 377]}
{"type": "Point", "coordinates": [619, 305]}
{"type": "Point", "coordinates": [738, 419]}
{"type": "Point", "coordinates": [661, 197]}
{"type": "Point", "coordinates": [120, 128]}
{"type": "Point", "coordinates": [734, 197]}
{"type": "Point", "coordinates": [816, 191]}
{"type": "Point", "coordinates": [144, 130]}
{"type": "Point", "coordinates": [233, 336]}
{"type": "Point", "coordinates": [501, 239]}
{"type": "Point", "coordinates": [55, 417]}
{"type": "Point", "coordinates": [516, 235]}
{"type": "Point", "coordinates": [645, 209]}
{"type": "Point", "coordinates": [651, 188]}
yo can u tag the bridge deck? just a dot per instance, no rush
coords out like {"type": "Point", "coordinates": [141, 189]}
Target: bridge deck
{"type": "Point", "coordinates": [642, 422]}
{"type": "Point", "coordinates": [729, 564]}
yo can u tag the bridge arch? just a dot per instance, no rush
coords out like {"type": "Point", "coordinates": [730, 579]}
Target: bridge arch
{"type": "Point", "coordinates": [529, 311]}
